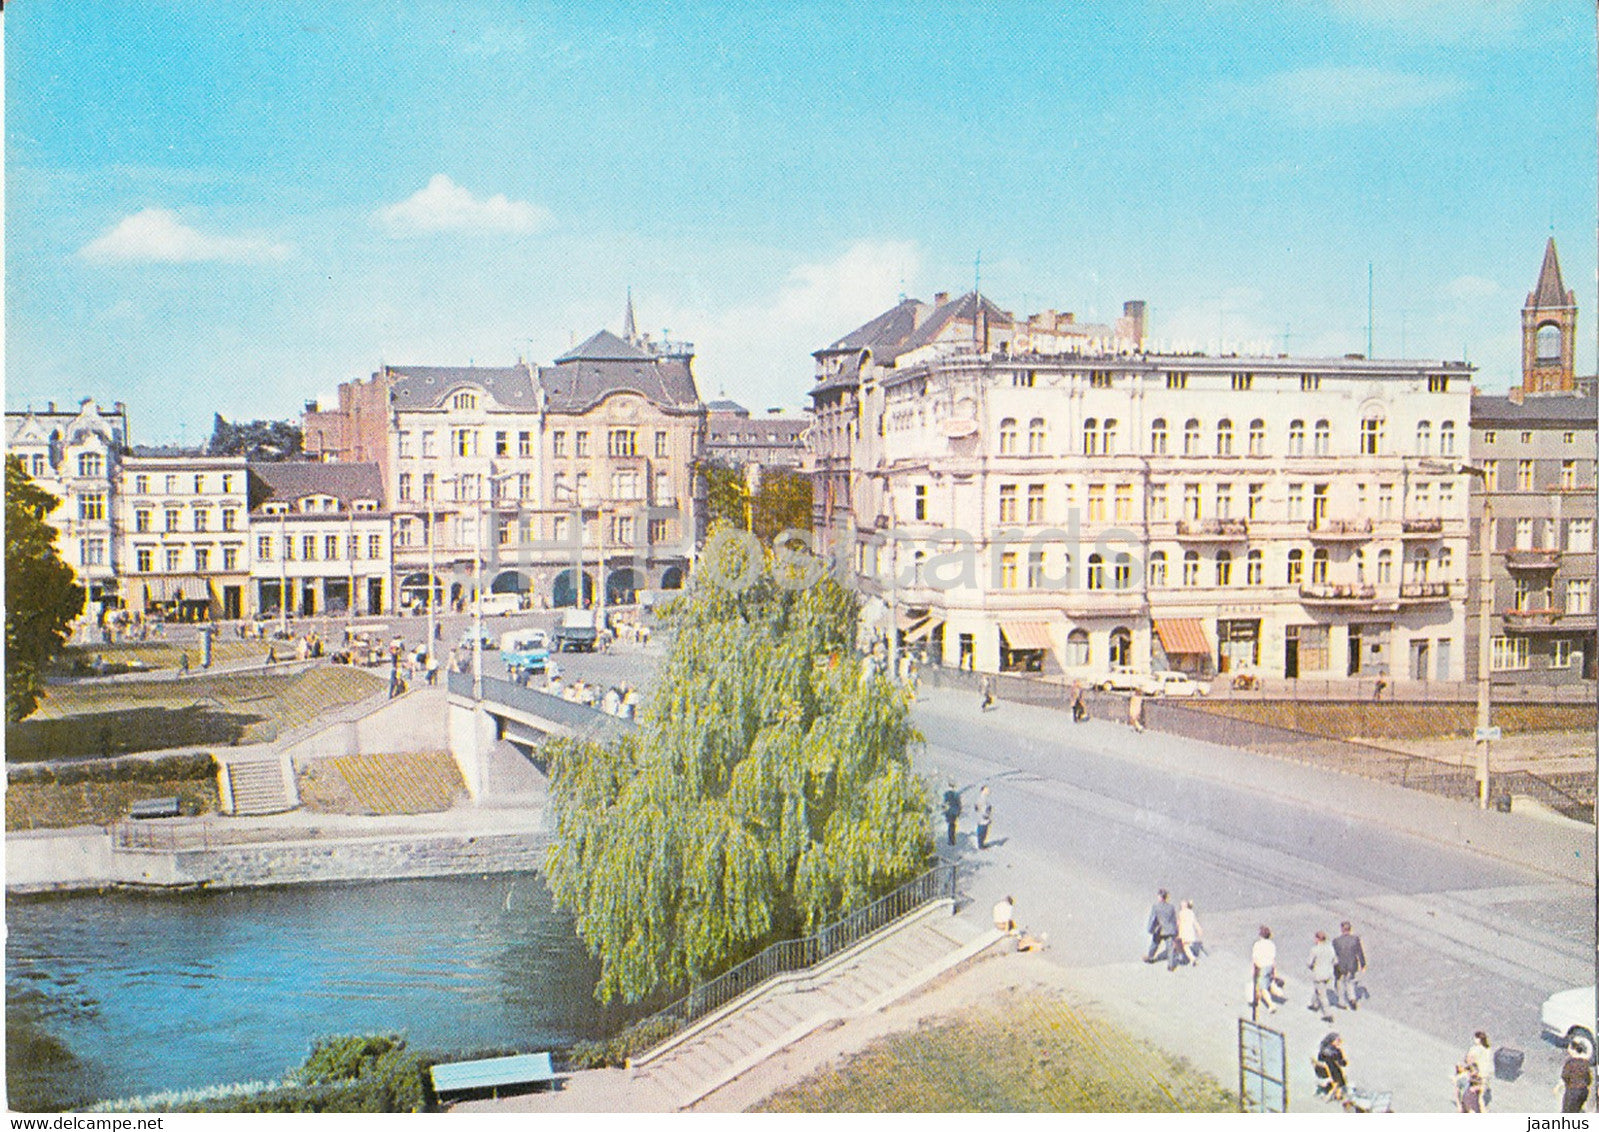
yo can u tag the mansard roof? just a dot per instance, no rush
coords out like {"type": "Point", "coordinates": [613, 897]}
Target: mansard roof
{"type": "Point", "coordinates": [575, 385]}
{"type": "Point", "coordinates": [427, 387]}
{"type": "Point", "coordinates": [605, 347]}
{"type": "Point", "coordinates": [291, 480]}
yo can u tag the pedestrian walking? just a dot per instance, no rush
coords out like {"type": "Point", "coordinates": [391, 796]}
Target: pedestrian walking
{"type": "Point", "coordinates": [1480, 1060]}
{"type": "Point", "coordinates": [952, 809]}
{"type": "Point", "coordinates": [1162, 927]}
{"type": "Point", "coordinates": [1322, 960]}
{"type": "Point", "coordinates": [1576, 1077]}
{"type": "Point", "coordinates": [394, 679]}
{"type": "Point", "coordinates": [1190, 936]}
{"type": "Point", "coordinates": [1351, 963]}
{"type": "Point", "coordinates": [183, 664]}
{"type": "Point", "coordinates": [432, 669]}
{"type": "Point", "coordinates": [985, 816]}
{"type": "Point", "coordinates": [1264, 958]}
{"type": "Point", "coordinates": [987, 688]}
{"type": "Point", "coordinates": [1135, 710]}
{"type": "Point", "coordinates": [1079, 708]}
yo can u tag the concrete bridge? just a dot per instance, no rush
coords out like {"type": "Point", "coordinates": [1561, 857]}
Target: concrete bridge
{"type": "Point", "coordinates": [510, 718]}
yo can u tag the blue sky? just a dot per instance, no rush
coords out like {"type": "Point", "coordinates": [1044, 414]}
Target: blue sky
{"type": "Point", "coordinates": [234, 207]}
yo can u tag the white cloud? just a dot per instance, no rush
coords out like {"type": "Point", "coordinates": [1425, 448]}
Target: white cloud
{"type": "Point", "coordinates": [1471, 287]}
{"type": "Point", "coordinates": [444, 206]}
{"type": "Point", "coordinates": [156, 236]}
{"type": "Point", "coordinates": [1447, 21]}
{"type": "Point", "coordinates": [1343, 95]}
{"type": "Point", "coordinates": [496, 41]}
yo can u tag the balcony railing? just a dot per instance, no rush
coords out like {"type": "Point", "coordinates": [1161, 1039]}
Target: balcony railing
{"type": "Point", "coordinates": [1539, 615]}
{"type": "Point", "coordinates": [1325, 592]}
{"type": "Point", "coordinates": [1340, 529]}
{"type": "Point", "coordinates": [1424, 591]}
{"type": "Point", "coordinates": [1213, 529]}
{"type": "Point", "coordinates": [1423, 527]}
{"type": "Point", "coordinates": [1532, 559]}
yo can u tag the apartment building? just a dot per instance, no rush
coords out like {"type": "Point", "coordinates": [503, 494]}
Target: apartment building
{"type": "Point", "coordinates": [1062, 512]}
{"type": "Point", "coordinates": [738, 438]}
{"type": "Point", "coordinates": [182, 529]}
{"type": "Point", "coordinates": [319, 539]}
{"type": "Point", "coordinates": [75, 457]}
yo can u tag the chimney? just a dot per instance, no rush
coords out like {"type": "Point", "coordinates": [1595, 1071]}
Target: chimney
{"type": "Point", "coordinates": [1517, 395]}
{"type": "Point", "coordinates": [1134, 310]}
{"type": "Point", "coordinates": [50, 406]}
{"type": "Point", "coordinates": [938, 300]}
{"type": "Point", "coordinates": [118, 407]}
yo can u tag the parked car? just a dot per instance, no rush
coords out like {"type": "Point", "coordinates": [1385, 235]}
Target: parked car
{"type": "Point", "coordinates": [1177, 684]}
{"type": "Point", "coordinates": [1124, 678]}
{"type": "Point", "coordinates": [501, 605]}
{"type": "Point", "coordinates": [1570, 1014]}
{"type": "Point", "coordinates": [489, 642]}
{"type": "Point", "coordinates": [527, 649]}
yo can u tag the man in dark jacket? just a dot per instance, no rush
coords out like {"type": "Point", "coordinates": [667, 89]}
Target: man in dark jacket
{"type": "Point", "coordinates": [1162, 928]}
{"type": "Point", "coordinates": [952, 810]}
{"type": "Point", "coordinates": [1350, 962]}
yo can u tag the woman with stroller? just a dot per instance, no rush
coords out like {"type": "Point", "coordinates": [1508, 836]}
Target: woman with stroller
{"type": "Point", "coordinates": [1332, 1069]}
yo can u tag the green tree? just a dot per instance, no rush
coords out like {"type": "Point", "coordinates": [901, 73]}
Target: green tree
{"type": "Point", "coordinates": [41, 596]}
{"type": "Point", "coordinates": [255, 440]}
{"type": "Point", "coordinates": [782, 503]}
{"type": "Point", "coordinates": [727, 495]}
{"type": "Point", "coordinates": [768, 788]}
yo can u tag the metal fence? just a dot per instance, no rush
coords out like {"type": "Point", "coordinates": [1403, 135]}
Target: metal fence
{"type": "Point", "coordinates": [1369, 760]}
{"type": "Point", "coordinates": [938, 883]}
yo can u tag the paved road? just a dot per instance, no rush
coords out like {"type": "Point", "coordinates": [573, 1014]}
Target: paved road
{"type": "Point", "coordinates": [1090, 819]}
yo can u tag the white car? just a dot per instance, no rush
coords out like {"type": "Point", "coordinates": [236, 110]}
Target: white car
{"type": "Point", "coordinates": [1124, 678]}
{"type": "Point", "coordinates": [1177, 684]}
{"type": "Point", "coordinates": [1570, 1014]}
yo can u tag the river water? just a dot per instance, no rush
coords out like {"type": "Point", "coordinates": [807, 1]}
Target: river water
{"type": "Point", "coordinates": [124, 994]}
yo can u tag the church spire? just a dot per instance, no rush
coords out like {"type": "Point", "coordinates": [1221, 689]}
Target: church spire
{"type": "Point", "coordinates": [629, 323]}
{"type": "Point", "coordinates": [1549, 331]}
{"type": "Point", "coordinates": [1551, 290]}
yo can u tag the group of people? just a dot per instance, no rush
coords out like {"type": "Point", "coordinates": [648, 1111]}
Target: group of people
{"type": "Point", "coordinates": [955, 805]}
{"type": "Point", "coordinates": [1336, 966]}
{"type": "Point", "coordinates": [120, 625]}
{"type": "Point", "coordinates": [1174, 933]}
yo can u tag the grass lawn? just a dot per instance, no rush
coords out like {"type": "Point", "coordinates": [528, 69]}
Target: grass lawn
{"type": "Point", "coordinates": [1026, 1052]}
{"type": "Point", "coordinates": [382, 784]}
{"type": "Point", "coordinates": [164, 654]}
{"type": "Point", "coordinates": [53, 805]}
{"type": "Point", "coordinates": [96, 720]}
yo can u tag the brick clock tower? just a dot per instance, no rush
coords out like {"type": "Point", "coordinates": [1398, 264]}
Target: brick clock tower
{"type": "Point", "coordinates": [1549, 331]}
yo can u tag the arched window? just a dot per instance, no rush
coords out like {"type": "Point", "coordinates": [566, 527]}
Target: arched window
{"type": "Point", "coordinates": [1224, 568]}
{"type": "Point", "coordinates": [1096, 572]}
{"type": "Point", "coordinates": [1323, 439]}
{"type": "Point", "coordinates": [1121, 646]}
{"type": "Point", "coordinates": [1191, 437]}
{"type": "Point", "coordinates": [1424, 438]}
{"type": "Point", "coordinates": [1157, 569]}
{"type": "Point", "coordinates": [1007, 436]}
{"type": "Point", "coordinates": [1107, 436]}
{"type": "Point", "coordinates": [1257, 437]}
{"type": "Point", "coordinates": [1318, 566]}
{"type": "Point", "coordinates": [1446, 438]}
{"type": "Point", "coordinates": [1296, 567]}
{"type": "Point", "coordinates": [1420, 565]}
{"type": "Point", "coordinates": [1359, 559]}
{"type": "Point", "coordinates": [1091, 436]}
{"type": "Point", "coordinates": [1035, 435]}
{"type": "Point", "coordinates": [1157, 437]}
{"type": "Point", "coordinates": [1385, 567]}
{"type": "Point", "coordinates": [1224, 437]}
{"type": "Point", "coordinates": [1254, 568]}
{"type": "Point", "coordinates": [1296, 437]}
{"type": "Point", "coordinates": [1548, 343]}
{"type": "Point", "coordinates": [1078, 654]}
{"type": "Point", "coordinates": [1191, 568]}
{"type": "Point", "coordinates": [1122, 572]}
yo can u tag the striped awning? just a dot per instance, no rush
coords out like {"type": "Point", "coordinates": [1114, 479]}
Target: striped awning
{"type": "Point", "coordinates": [1183, 636]}
{"type": "Point", "coordinates": [1027, 634]}
{"type": "Point", "coordinates": [923, 629]}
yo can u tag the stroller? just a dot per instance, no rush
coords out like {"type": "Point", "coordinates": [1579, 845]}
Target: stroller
{"type": "Point", "coordinates": [1331, 1086]}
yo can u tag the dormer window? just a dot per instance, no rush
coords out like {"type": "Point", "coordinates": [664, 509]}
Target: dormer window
{"type": "Point", "coordinates": [275, 508]}
{"type": "Point", "coordinates": [464, 401]}
{"type": "Point", "coordinates": [366, 505]}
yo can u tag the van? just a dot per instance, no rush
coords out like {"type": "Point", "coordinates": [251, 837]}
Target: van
{"type": "Point", "coordinates": [526, 648]}
{"type": "Point", "coordinates": [501, 605]}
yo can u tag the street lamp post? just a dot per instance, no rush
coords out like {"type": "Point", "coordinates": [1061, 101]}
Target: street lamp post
{"type": "Point", "coordinates": [1485, 602]}
{"type": "Point", "coordinates": [433, 566]}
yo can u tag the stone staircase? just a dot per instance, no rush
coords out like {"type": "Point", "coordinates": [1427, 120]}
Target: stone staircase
{"type": "Point", "coordinates": [257, 786]}
{"type": "Point", "coordinates": [873, 974]}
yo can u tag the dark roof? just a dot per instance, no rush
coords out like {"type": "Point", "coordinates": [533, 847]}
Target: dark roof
{"type": "Point", "coordinates": [426, 387]}
{"type": "Point", "coordinates": [166, 451]}
{"type": "Point", "coordinates": [848, 377]}
{"type": "Point", "coordinates": [604, 347]}
{"type": "Point", "coordinates": [578, 385]}
{"type": "Point", "coordinates": [964, 308]}
{"type": "Point", "coordinates": [1535, 409]}
{"type": "Point", "coordinates": [728, 407]}
{"type": "Point", "coordinates": [288, 481]}
{"type": "Point", "coordinates": [882, 333]}
{"type": "Point", "coordinates": [1551, 290]}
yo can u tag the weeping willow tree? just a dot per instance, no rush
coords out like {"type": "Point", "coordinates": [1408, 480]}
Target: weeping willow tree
{"type": "Point", "coordinates": [767, 789]}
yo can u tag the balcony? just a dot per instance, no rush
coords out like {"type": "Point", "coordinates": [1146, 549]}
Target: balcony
{"type": "Point", "coordinates": [1538, 617]}
{"type": "Point", "coordinates": [1322, 593]}
{"type": "Point", "coordinates": [1340, 530]}
{"type": "Point", "coordinates": [1213, 530]}
{"type": "Point", "coordinates": [1532, 559]}
{"type": "Point", "coordinates": [1422, 528]}
{"type": "Point", "coordinates": [1424, 591]}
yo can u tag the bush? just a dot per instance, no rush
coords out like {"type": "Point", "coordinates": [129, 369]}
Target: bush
{"type": "Point", "coordinates": [190, 765]}
{"type": "Point", "coordinates": [618, 1050]}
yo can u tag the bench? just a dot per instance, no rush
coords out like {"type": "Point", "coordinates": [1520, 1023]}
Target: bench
{"type": "Point", "coordinates": [156, 808]}
{"type": "Point", "coordinates": [493, 1074]}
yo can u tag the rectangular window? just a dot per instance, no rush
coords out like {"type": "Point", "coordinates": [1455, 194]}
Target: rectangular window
{"type": "Point", "coordinates": [171, 484]}
{"type": "Point", "coordinates": [1490, 475]}
{"type": "Point", "coordinates": [263, 547]}
{"type": "Point", "coordinates": [1242, 381]}
{"type": "Point", "coordinates": [374, 546]}
{"type": "Point", "coordinates": [1421, 499]}
{"type": "Point", "coordinates": [919, 507]}
{"type": "Point", "coordinates": [230, 519]}
{"type": "Point", "coordinates": [1007, 570]}
{"type": "Point", "coordinates": [1192, 509]}
{"type": "Point", "coordinates": [91, 465]}
{"type": "Point", "coordinates": [1035, 569]}
{"type": "Point", "coordinates": [1524, 534]}
{"type": "Point", "coordinates": [582, 445]}
{"type": "Point", "coordinates": [141, 519]}
{"type": "Point", "coordinates": [502, 443]}
{"type": "Point", "coordinates": [201, 518]}
{"type": "Point", "coordinates": [1385, 501]}
{"type": "Point", "coordinates": [91, 506]}
{"type": "Point", "coordinates": [1524, 475]}
{"type": "Point", "coordinates": [621, 442]}
{"type": "Point", "coordinates": [230, 558]}
{"type": "Point", "coordinates": [463, 441]}
{"type": "Point", "coordinates": [1007, 503]}
{"type": "Point", "coordinates": [330, 548]}
{"type": "Point", "coordinates": [405, 490]}
{"type": "Point", "coordinates": [1224, 501]}
{"type": "Point", "coordinates": [430, 444]}
{"type": "Point", "coordinates": [1508, 654]}
{"type": "Point", "coordinates": [171, 517]}
{"type": "Point", "coordinates": [661, 449]}
{"type": "Point", "coordinates": [1035, 503]}
{"type": "Point", "coordinates": [1568, 475]}
{"type": "Point", "coordinates": [658, 531]}
{"type": "Point", "coordinates": [1579, 595]}
{"type": "Point", "coordinates": [308, 547]}
{"type": "Point", "coordinates": [1446, 497]}
{"type": "Point", "coordinates": [1309, 382]}
{"type": "Point", "coordinates": [404, 447]}
{"type": "Point", "coordinates": [202, 559]}
{"type": "Point", "coordinates": [1257, 496]}
{"type": "Point", "coordinates": [92, 552]}
{"type": "Point", "coordinates": [1296, 502]}
{"type": "Point", "coordinates": [141, 484]}
{"type": "Point", "coordinates": [173, 560]}
{"type": "Point", "coordinates": [558, 442]}
{"type": "Point", "coordinates": [1124, 502]}
{"type": "Point", "coordinates": [1096, 503]}
{"type": "Point", "coordinates": [1371, 437]}
{"type": "Point", "coordinates": [1579, 535]}
{"type": "Point", "coordinates": [199, 485]}
{"type": "Point", "coordinates": [144, 560]}
{"type": "Point", "coordinates": [1560, 655]}
{"type": "Point", "coordinates": [428, 493]}
{"type": "Point", "coordinates": [1159, 510]}
{"type": "Point", "coordinates": [1437, 385]}
{"type": "Point", "coordinates": [1176, 381]}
